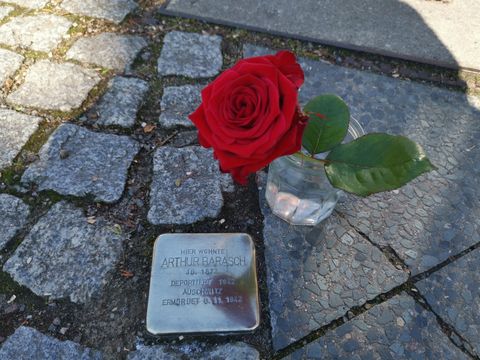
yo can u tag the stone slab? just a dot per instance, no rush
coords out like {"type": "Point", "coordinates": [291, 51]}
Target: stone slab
{"type": "Point", "coordinates": [108, 50]}
{"type": "Point", "coordinates": [79, 162]}
{"type": "Point", "coordinates": [113, 10]}
{"type": "Point", "coordinates": [120, 104]}
{"type": "Point", "coordinates": [236, 350]}
{"type": "Point", "coordinates": [437, 215]}
{"type": "Point", "coordinates": [27, 343]}
{"type": "Point", "coordinates": [4, 11]}
{"type": "Point", "coordinates": [14, 214]}
{"type": "Point", "coordinates": [396, 329]}
{"type": "Point", "coordinates": [15, 130]}
{"type": "Point", "coordinates": [41, 32]}
{"type": "Point", "coordinates": [316, 274]}
{"type": "Point", "coordinates": [32, 4]}
{"type": "Point", "coordinates": [187, 186]}
{"type": "Point", "coordinates": [427, 31]}
{"type": "Point", "coordinates": [189, 54]}
{"type": "Point", "coordinates": [177, 103]}
{"type": "Point", "coordinates": [203, 283]}
{"type": "Point", "coordinates": [10, 62]}
{"type": "Point", "coordinates": [64, 256]}
{"type": "Point", "coordinates": [453, 292]}
{"type": "Point", "coordinates": [54, 86]}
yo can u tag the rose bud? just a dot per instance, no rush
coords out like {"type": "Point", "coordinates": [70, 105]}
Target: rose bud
{"type": "Point", "coordinates": [249, 114]}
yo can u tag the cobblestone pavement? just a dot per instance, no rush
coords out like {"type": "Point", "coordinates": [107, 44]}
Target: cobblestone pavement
{"type": "Point", "coordinates": [97, 158]}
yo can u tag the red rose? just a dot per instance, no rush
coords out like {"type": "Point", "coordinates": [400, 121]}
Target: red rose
{"type": "Point", "coordinates": [250, 114]}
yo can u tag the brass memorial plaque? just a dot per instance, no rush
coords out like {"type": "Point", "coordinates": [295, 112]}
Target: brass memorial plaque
{"type": "Point", "coordinates": [203, 283]}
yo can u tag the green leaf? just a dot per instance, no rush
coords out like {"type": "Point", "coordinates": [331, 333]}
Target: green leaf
{"type": "Point", "coordinates": [376, 162]}
{"type": "Point", "coordinates": [328, 123]}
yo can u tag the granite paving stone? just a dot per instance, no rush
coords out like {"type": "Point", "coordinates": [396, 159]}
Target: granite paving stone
{"type": "Point", "coordinates": [177, 103]}
{"type": "Point", "coordinates": [190, 54]}
{"type": "Point", "coordinates": [396, 329]}
{"type": "Point", "coordinates": [316, 274]}
{"type": "Point", "coordinates": [40, 32]}
{"type": "Point", "coordinates": [437, 215]}
{"type": "Point", "coordinates": [236, 350]}
{"type": "Point", "coordinates": [113, 10]}
{"type": "Point", "coordinates": [10, 62]}
{"type": "Point", "coordinates": [187, 186]}
{"type": "Point", "coordinates": [32, 4]}
{"type": "Point", "coordinates": [79, 162]}
{"type": "Point", "coordinates": [14, 214]}
{"type": "Point", "coordinates": [54, 86]}
{"type": "Point", "coordinates": [4, 11]}
{"type": "Point", "coordinates": [120, 104]}
{"type": "Point", "coordinates": [27, 343]}
{"type": "Point", "coordinates": [108, 50]}
{"type": "Point", "coordinates": [15, 130]}
{"type": "Point", "coordinates": [64, 256]}
{"type": "Point", "coordinates": [453, 292]}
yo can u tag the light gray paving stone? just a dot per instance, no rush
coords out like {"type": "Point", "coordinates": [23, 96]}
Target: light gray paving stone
{"type": "Point", "coordinates": [4, 11]}
{"type": "Point", "coordinates": [32, 4]}
{"type": "Point", "coordinates": [177, 103]}
{"type": "Point", "coordinates": [453, 292]}
{"type": "Point", "coordinates": [10, 62]}
{"type": "Point", "coordinates": [187, 186]}
{"type": "Point", "coordinates": [233, 351]}
{"type": "Point", "coordinates": [396, 329]}
{"type": "Point", "coordinates": [190, 54]}
{"type": "Point", "coordinates": [15, 130]}
{"type": "Point", "coordinates": [437, 215]}
{"type": "Point", "coordinates": [316, 274]}
{"type": "Point", "coordinates": [27, 343]}
{"type": "Point", "coordinates": [53, 86]}
{"type": "Point", "coordinates": [79, 162]}
{"type": "Point", "coordinates": [13, 216]}
{"type": "Point", "coordinates": [41, 32]}
{"type": "Point", "coordinates": [113, 10]}
{"type": "Point", "coordinates": [64, 256]}
{"type": "Point", "coordinates": [120, 104]}
{"type": "Point", "coordinates": [108, 50]}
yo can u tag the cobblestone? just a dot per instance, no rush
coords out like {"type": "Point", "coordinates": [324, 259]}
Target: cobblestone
{"type": "Point", "coordinates": [79, 162]}
{"type": "Point", "coordinates": [177, 103]}
{"type": "Point", "coordinates": [10, 62]}
{"type": "Point", "coordinates": [14, 214]}
{"type": "Point", "coordinates": [32, 4]}
{"type": "Point", "coordinates": [64, 256]}
{"type": "Point", "coordinates": [113, 10]}
{"type": "Point", "coordinates": [4, 11]}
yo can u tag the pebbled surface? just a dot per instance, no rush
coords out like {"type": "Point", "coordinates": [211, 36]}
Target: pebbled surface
{"type": "Point", "coordinates": [65, 256]}
{"type": "Point", "coordinates": [177, 103]}
{"type": "Point", "coordinates": [316, 274]}
{"type": "Point", "coordinates": [53, 86]}
{"type": "Point", "coordinates": [453, 292]}
{"type": "Point", "coordinates": [187, 186]}
{"type": "Point", "coordinates": [79, 162]}
{"type": "Point", "coordinates": [15, 130]}
{"type": "Point", "coordinates": [27, 343]}
{"type": "Point", "coordinates": [438, 214]}
{"type": "Point", "coordinates": [108, 50]}
{"type": "Point", "coordinates": [396, 329]}
{"type": "Point", "coordinates": [120, 104]}
{"type": "Point", "coordinates": [113, 10]}
{"type": "Point", "coordinates": [190, 54]}
{"type": "Point", "coordinates": [40, 32]}
{"type": "Point", "coordinates": [13, 216]}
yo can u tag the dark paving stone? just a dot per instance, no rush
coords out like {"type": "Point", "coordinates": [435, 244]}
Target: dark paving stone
{"type": "Point", "coordinates": [234, 351]}
{"type": "Point", "coordinates": [396, 329]}
{"type": "Point", "coordinates": [27, 344]}
{"type": "Point", "coordinates": [64, 256]}
{"type": "Point", "coordinates": [177, 103]}
{"type": "Point", "coordinates": [437, 215]}
{"type": "Point", "coordinates": [79, 162]}
{"type": "Point", "coordinates": [13, 216]}
{"type": "Point", "coordinates": [316, 274]}
{"type": "Point", "coordinates": [190, 54]}
{"type": "Point", "coordinates": [453, 292]}
{"type": "Point", "coordinates": [426, 31]}
{"type": "Point", "coordinates": [113, 10]}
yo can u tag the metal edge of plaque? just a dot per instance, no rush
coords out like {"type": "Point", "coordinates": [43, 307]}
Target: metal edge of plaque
{"type": "Point", "coordinates": [208, 332]}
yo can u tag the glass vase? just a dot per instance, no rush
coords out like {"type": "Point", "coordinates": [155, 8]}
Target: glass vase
{"type": "Point", "coordinates": [298, 190]}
